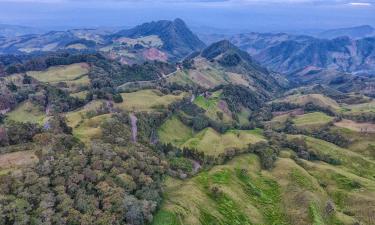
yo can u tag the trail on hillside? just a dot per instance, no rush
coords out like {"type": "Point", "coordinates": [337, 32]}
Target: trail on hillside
{"type": "Point", "coordinates": [133, 122]}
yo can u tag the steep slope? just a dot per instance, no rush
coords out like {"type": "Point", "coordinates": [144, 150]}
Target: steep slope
{"type": "Point", "coordinates": [162, 41]}
{"type": "Point", "coordinates": [178, 40]}
{"type": "Point", "coordinates": [223, 63]}
{"type": "Point", "coordinates": [288, 53]}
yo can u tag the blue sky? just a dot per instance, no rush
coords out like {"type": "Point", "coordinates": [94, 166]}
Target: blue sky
{"type": "Point", "coordinates": [256, 15]}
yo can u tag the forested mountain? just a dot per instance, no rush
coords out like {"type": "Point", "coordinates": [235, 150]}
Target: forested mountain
{"type": "Point", "coordinates": [161, 40]}
{"type": "Point", "coordinates": [288, 53]}
{"type": "Point", "coordinates": [224, 56]}
{"type": "Point", "coordinates": [177, 38]}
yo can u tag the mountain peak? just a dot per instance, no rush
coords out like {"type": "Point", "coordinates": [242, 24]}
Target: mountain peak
{"type": "Point", "coordinates": [178, 40]}
{"type": "Point", "coordinates": [218, 48]}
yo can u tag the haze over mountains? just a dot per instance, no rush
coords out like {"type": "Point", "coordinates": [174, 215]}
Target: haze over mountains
{"type": "Point", "coordinates": [301, 58]}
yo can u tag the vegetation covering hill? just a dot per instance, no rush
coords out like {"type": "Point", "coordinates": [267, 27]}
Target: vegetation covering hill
{"type": "Point", "coordinates": [286, 53]}
{"type": "Point", "coordinates": [223, 63]}
{"type": "Point", "coordinates": [213, 139]}
{"type": "Point", "coordinates": [177, 38]}
{"type": "Point", "coordinates": [162, 40]}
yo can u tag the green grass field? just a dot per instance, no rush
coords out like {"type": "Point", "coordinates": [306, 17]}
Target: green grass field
{"type": "Point", "coordinates": [27, 112]}
{"type": "Point", "coordinates": [239, 192]}
{"type": "Point", "coordinates": [61, 73]}
{"type": "Point", "coordinates": [175, 132]}
{"type": "Point", "coordinates": [349, 160]}
{"type": "Point", "coordinates": [242, 196]}
{"type": "Point", "coordinates": [214, 106]}
{"type": "Point", "coordinates": [208, 140]}
{"type": "Point", "coordinates": [317, 99]}
{"type": "Point", "coordinates": [360, 108]}
{"type": "Point", "coordinates": [211, 142]}
{"type": "Point", "coordinates": [148, 100]}
{"type": "Point", "coordinates": [312, 119]}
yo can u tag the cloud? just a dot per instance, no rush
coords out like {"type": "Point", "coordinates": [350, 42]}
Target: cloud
{"type": "Point", "coordinates": [360, 4]}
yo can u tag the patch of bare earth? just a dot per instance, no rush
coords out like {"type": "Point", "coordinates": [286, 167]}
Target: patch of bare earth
{"type": "Point", "coordinates": [155, 54]}
{"type": "Point", "coordinates": [224, 107]}
{"type": "Point", "coordinates": [295, 112]}
{"type": "Point", "coordinates": [18, 159]}
{"type": "Point", "coordinates": [360, 127]}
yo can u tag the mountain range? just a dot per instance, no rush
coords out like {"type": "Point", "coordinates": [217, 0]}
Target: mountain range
{"type": "Point", "coordinates": [303, 59]}
{"type": "Point", "coordinates": [352, 32]}
{"type": "Point", "coordinates": [149, 126]}
{"type": "Point", "coordinates": [161, 40]}
{"type": "Point", "coordinates": [286, 53]}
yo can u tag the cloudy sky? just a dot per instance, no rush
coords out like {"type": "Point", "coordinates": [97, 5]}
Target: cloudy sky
{"type": "Point", "coordinates": [256, 15]}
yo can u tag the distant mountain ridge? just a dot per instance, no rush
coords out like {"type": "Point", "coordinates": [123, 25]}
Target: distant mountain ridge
{"type": "Point", "coordinates": [352, 32]}
{"type": "Point", "coordinates": [161, 40]}
{"type": "Point", "coordinates": [177, 38]}
{"type": "Point", "coordinates": [286, 53]}
{"type": "Point", "coordinates": [7, 30]}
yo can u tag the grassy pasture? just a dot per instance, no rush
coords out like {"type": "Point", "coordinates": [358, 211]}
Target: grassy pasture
{"type": "Point", "coordinates": [354, 126]}
{"type": "Point", "coordinates": [360, 108]}
{"type": "Point", "coordinates": [362, 143]}
{"type": "Point", "coordinates": [206, 75]}
{"type": "Point", "coordinates": [214, 106]}
{"type": "Point", "coordinates": [147, 100]}
{"type": "Point", "coordinates": [312, 119]}
{"type": "Point", "coordinates": [211, 142]}
{"type": "Point", "coordinates": [86, 128]}
{"type": "Point", "coordinates": [75, 117]}
{"type": "Point", "coordinates": [208, 140]}
{"type": "Point", "coordinates": [175, 132]}
{"type": "Point", "coordinates": [61, 73]}
{"type": "Point", "coordinates": [352, 194]}
{"type": "Point", "coordinates": [349, 160]}
{"type": "Point", "coordinates": [27, 112]}
{"type": "Point", "coordinates": [244, 196]}
{"type": "Point", "coordinates": [89, 129]}
{"type": "Point", "coordinates": [239, 192]}
{"type": "Point", "coordinates": [317, 99]}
